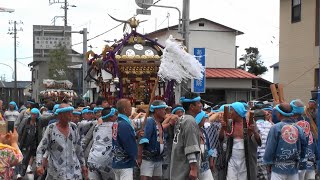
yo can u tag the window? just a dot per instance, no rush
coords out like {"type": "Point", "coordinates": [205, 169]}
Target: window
{"type": "Point", "coordinates": [296, 11]}
{"type": "Point", "coordinates": [201, 24]}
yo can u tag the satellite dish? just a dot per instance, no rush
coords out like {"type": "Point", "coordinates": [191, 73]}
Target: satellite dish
{"type": "Point", "coordinates": [141, 3]}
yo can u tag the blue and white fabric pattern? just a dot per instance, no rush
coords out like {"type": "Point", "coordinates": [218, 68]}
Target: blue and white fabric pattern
{"type": "Point", "coordinates": [97, 109]}
{"type": "Point", "coordinates": [63, 110]}
{"type": "Point", "coordinates": [200, 116]}
{"type": "Point", "coordinates": [185, 100]}
{"type": "Point", "coordinates": [177, 109]}
{"type": "Point", "coordinates": [152, 107]}
{"type": "Point", "coordinates": [111, 113]}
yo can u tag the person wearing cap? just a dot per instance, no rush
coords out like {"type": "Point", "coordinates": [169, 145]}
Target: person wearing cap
{"type": "Point", "coordinates": [55, 107]}
{"type": "Point", "coordinates": [213, 134]}
{"type": "Point", "coordinates": [185, 153]}
{"type": "Point", "coordinates": [86, 123]}
{"type": "Point", "coordinates": [97, 112]}
{"type": "Point", "coordinates": [61, 141]}
{"type": "Point", "coordinates": [151, 145]}
{"type": "Point", "coordinates": [124, 142]}
{"type": "Point", "coordinates": [12, 113]}
{"type": "Point", "coordinates": [49, 105]}
{"type": "Point", "coordinates": [28, 142]}
{"type": "Point", "coordinates": [286, 145]}
{"type": "Point", "coordinates": [24, 114]}
{"type": "Point", "coordinates": [21, 107]}
{"type": "Point", "coordinates": [306, 165]}
{"type": "Point", "coordinates": [207, 153]}
{"type": "Point", "coordinates": [238, 165]}
{"type": "Point", "coordinates": [100, 156]}
{"type": "Point", "coordinates": [168, 126]}
{"type": "Point", "coordinates": [84, 127]}
{"type": "Point", "coordinates": [264, 127]}
{"type": "Point", "coordinates": [268, 113]}
{"type": "Point", "coordinates": [76, 116]}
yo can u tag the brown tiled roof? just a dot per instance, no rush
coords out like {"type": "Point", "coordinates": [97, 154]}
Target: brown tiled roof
{"type": "Point", "coordinates": [228, 73]}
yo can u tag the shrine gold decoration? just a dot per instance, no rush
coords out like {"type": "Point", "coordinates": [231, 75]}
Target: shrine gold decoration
{"type": "Point", "coordinates": [88, 54]}
{"type": "Point", "coordinates": [136, 39]}
{"type": "Point", "coordinates": [138, 57]}
{"type": "Point", "coordinates": [106, 49]}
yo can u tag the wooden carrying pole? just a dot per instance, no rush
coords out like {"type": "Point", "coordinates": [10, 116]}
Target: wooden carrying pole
{"type": "Point", "coordinates": [274, 94]}
{"type": "Point", "coordinates": [153, 94]}
{"type": "Point", "coordinates": [251, 116]}
{"type": "Point", "coordinates": [277, 93]}
{"type": "Point", "coordinates": [280, 92]}
{"type": "Point", "coordinates": [225, 114]}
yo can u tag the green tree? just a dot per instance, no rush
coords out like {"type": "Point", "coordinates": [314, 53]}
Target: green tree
{"type": "Point", "coordinates": [252, 62]}
{"type": "Point", "coordinates": [57, 66]}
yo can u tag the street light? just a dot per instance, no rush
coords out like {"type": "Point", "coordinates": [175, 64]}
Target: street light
{"type": "Point", "coordinates": [10, 68]}
{"type": "Point", "coordinates": [6, 10]}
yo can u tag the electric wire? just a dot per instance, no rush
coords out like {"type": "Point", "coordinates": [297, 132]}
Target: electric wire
{"type": "Point", "coordinates": [98, 35]}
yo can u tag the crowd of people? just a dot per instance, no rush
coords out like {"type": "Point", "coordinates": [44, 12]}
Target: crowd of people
{"type": "Point", "coordinates": [234, 141]}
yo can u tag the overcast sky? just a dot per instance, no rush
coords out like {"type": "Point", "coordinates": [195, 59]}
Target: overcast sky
{"type": "Point", "coordinates": [258, 19]}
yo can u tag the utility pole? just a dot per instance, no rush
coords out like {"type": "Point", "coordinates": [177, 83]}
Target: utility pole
{"type": "Point", "coordinates": [64, 7]}
{"type": "Point", "coordinates": [84, 32]}
{"type": "Point", "coordinates": [14, 32]}
{"type": "Point", "coordinates": [318, 114]}
{"type": "Point", "coordinates": [65, 13]}
{"type": "Point", "coordinates": [185, 35]}
{"type": "Point", "coordinates": [186, 22]}
{"type": "Point", "coordinates": [2, 9]}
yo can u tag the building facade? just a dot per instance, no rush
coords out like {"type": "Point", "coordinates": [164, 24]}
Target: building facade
{"type": "Point", "coordinates": [7, 91]}
{"type": "Point", "coordinates": [298, 48]}
{"type": "Point", "coordinates": [46, 39]}
{"type": "Point", "coordinates": [224, 82]}
{"type": "Point", "coordinates": [219, 41]}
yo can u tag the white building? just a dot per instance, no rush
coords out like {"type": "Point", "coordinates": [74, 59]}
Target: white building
{"type": "Point", "coordinates": [219, 41]}
{"type": "Point", "coordinates": [224, 82]}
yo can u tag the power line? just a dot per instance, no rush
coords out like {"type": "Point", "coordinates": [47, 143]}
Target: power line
{"type": "Point", "coordinates": [99, 34]}
{"type": "Point", "coordinates": [219, 51]}
{"type": "Point", "coordinates": [312, 68]}
{"type": "Point", "coordinates": [156, 2]}
{"type": "Point", "coordinates": [26, 57]}
{"type": "Point", "coordinates": [163, 21]}
{"type": "Point", "coordinates": [263, 96]}
{"type": "Point", "coordinates": [22, 63]}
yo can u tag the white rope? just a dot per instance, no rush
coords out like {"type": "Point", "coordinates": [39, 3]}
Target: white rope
{"type": "Point", "coordinates": [177, 64]}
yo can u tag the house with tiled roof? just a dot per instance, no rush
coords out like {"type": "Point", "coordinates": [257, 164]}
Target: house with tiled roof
{"type": "Point", "coordinates": [7, 91]}
{"type": "Point", "coordinates": [224, 82]}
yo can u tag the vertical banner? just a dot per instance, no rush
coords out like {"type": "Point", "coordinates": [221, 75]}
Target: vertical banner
{"type": "Point", "coordinates": [199, 85]}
